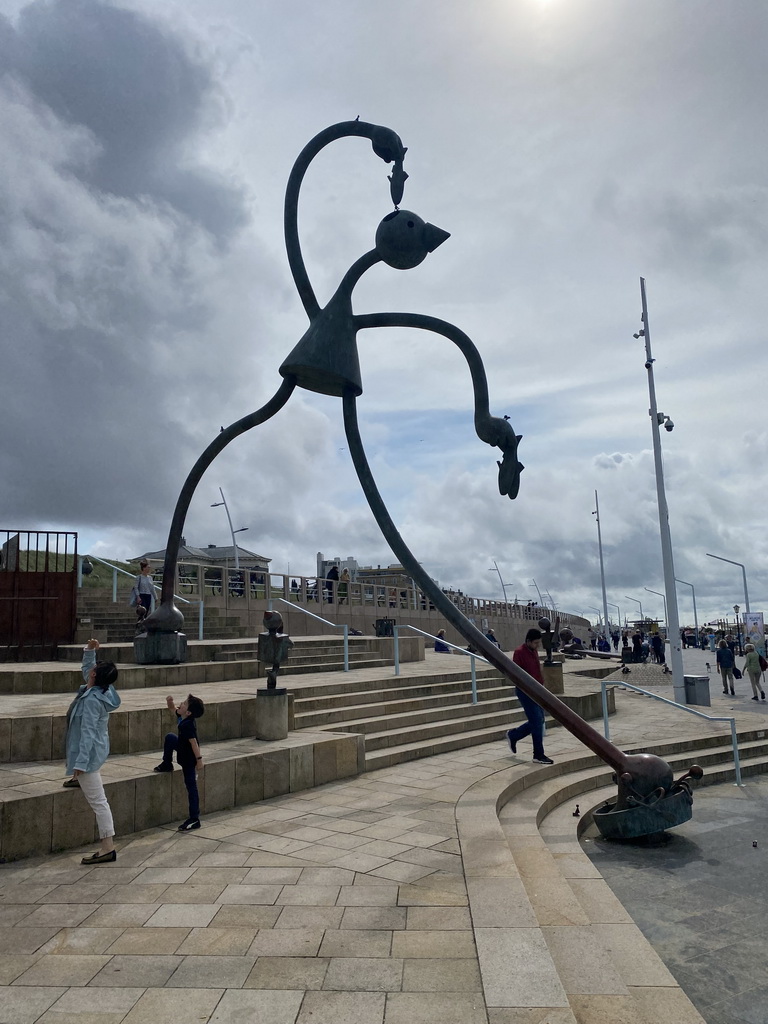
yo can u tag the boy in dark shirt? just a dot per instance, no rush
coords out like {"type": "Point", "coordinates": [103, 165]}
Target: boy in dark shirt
{"type": "Point", "coordinates": [187, 753]}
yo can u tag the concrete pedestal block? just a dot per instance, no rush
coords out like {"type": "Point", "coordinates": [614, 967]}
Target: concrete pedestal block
{"type": "Point", "coordinates": [553, 677]}
{"type": "Point", "coordinates": [160, 649]}
{"type": "Point", "coordinates": [272, 714]}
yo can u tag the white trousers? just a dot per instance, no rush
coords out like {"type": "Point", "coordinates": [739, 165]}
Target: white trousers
{"type": "Point", "coordinates": [93, 790]}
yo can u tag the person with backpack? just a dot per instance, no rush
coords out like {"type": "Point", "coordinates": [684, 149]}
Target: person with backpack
{"type": "Point", "coordinates": [754, 669]}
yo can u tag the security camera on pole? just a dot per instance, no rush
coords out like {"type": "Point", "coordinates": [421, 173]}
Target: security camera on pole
{"type": "Point", "coordinates": [657, 420]}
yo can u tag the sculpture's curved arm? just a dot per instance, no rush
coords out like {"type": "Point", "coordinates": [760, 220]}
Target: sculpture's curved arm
{"type": "Point", "coordinates": [166, 616]}
{"type": "Point", "coordinates": [386, 144]}
{"type": "Point", "coordinates": [491, 429]}
{"type": "Point", "coordinates": [604, 749]}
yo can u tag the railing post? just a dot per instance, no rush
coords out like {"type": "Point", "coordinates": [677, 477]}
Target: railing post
{"type": "Point", "coordinates": [396, 636]}
{"type": "Point", "coordinates": [200, 617]}
{"type": "Point", "coordinates": [606, 727]}
{"type": "Point", "coordinates": [79, 571]}
{"type": "Point", "coordinates": [346, 648]}
{"type": "Point", "coordinates": [114, 586]}
{"type": "Point", "coordinates": [474, 680]}
{"type": "Point", "coordinates": [736, 760]}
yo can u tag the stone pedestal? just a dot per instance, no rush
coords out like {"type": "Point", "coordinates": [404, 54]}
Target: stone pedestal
{"type": "Point", "coordinates": [553, 677]}
{"type": "Point", "coordinates": [272, 714]}
{"type": "Point", "coordinates": [160, 649]}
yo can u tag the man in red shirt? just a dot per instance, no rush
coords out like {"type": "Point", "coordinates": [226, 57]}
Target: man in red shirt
{"type": "Point", "coordinates": [527, 657]}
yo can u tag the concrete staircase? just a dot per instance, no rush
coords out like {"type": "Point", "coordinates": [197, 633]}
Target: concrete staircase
{"type": "Point", "coordinates": [535, 895]}
{"type": "Point", "coordinates": [98, 614]}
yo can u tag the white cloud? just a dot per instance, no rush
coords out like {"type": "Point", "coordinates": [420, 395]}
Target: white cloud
{"type": "Point", "coordinates": [145, 298]}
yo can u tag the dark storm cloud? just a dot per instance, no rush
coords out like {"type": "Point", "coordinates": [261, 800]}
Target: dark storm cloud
{"type": "Point", "coordinates": [140, 91]}
{"type": "Point", "coordinates": [113, 240]}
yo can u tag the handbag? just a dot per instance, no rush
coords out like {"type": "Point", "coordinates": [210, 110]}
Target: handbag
{"type": "Point", "coordinates": [736, 672]}
{"type": "Point", "coordinates": [763, 663]}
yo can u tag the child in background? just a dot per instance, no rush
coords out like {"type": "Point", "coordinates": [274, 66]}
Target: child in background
{"type": "Point", "coordinates": [187, 753]}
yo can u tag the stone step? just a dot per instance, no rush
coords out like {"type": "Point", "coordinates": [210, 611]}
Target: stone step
{"type": "Point", "coordinates": [39, 733]}
{"type": "Point", "coordinates": [319, 657]}
{"type": "Point", "coordinates": [398, 690]}
{"type": "Point", "coordinates": [463, 721]}
{"type": "Point", "coordinates": [392, 702]}
{"type": "Point", "coordinates": [38, 816]}
{"type": "Point", "coordinates": [383, 724]}
{"type": "Point", "coordinates": [412, 751]}
{"type": "Point", "coordinates": [205, 650]}
{"type": "Point", "coordinates": [517, 831]}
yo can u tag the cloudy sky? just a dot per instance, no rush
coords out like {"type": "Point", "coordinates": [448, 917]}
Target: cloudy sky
{"type": "Point", "coordinates": [569, 146]}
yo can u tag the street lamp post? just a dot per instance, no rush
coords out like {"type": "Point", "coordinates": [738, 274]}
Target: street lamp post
{"type": "Point", "coordinates": [533, 583]}
{"type": "Point", "coordinates": [738, 628]}
{"type": "Point", "coordinates": [642, 618]}
{"type": "Point", "coordinates": [695, 619]}
{"type": "Point", "coordinates": [659, 594]}
{"type": "Point", "coordinates": [618, 611]}
{"type": "Point", "coordinates": [596, 514]}
{"type": "Point", "coordinates": [501, 581]}
{"type": "Point", "coordinates": [657, 419]}
{"type": "Point", "coordinates": [743, 573]}
{"type": "Point", "coordinates": [242, 529]}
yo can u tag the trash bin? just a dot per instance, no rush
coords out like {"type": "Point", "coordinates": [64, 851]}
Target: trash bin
{"type": "Point", "coordinates": [697, 690]}
{"type": "Point", "coordinates": [385, 627]}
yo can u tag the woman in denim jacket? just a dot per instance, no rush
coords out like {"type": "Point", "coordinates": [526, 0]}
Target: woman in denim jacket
{"type": "Point", "coordinates": [87, 743]}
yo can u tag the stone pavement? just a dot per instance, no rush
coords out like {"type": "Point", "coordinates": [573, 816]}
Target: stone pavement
{"type": "Point", "coordinates": [345, 904]}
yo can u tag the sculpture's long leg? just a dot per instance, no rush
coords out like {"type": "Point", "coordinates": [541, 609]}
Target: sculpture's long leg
{"type": "Point", "coordinates": [167, 616]}
{"type": "Point", "coordinates": [604, 749]}
{"type": "Point", "coordinates": [491, 429]}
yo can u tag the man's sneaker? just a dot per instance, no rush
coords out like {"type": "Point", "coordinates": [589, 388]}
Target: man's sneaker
{"type": "Point", "coordinates": [164, 766]}
{"type": "Point", "coordinates": [189, 825]}
{"type": "Point", "coordinates": [511, 742]}
{"type": "Point", "coordinates": [543, 760]}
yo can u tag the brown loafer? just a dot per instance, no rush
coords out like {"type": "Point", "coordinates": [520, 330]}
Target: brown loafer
{"type": "Point", "coordinates": [100, 858]}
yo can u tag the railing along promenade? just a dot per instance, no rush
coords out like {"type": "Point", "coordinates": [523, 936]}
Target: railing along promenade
{"type": "Point", "coordinates": [233, 588]}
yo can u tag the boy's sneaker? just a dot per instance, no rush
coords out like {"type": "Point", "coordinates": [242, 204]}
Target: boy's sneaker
{"type": "Point", "coordinates": [511, 742]}
{"type": "Point", "coordinates": [164, 766]}
{"type": "Point", "coordinates": [189, 825]}
{"type": "Point", "coordinates": [543, 760]}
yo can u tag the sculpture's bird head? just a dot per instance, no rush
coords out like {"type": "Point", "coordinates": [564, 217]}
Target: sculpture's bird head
{"type": "Point", "coordinates": [403, 239]}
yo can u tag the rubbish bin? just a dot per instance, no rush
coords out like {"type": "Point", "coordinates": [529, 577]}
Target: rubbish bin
{"type": "Point", "coordinates": [385, 627]}
{"type": "Point", "coordinates": [697, 690]}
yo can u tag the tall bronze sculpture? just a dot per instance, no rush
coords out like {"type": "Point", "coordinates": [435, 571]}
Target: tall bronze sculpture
{"type": "Point", "coordinates": [325, 360]}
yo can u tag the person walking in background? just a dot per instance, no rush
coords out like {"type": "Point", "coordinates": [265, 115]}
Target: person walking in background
{"type": "Point", "coordinates": [344, 580]}
{"type": "Point", "coordinates": [87, 743]}
{"type": "Point", "coordinates": [658, 649]}
{"type": "Point", "coordinates": [527, 657]}
{"type": "Point", "coordinates": [331, 579]}
{"type": "Point", "coordinates": [752, 667]}
{"type": "Point", "coordinates": [187, 753]}
{"type": "Point", "coordinates": [144, 593]}
{"type": "Point", "coordinates": [725, 663]}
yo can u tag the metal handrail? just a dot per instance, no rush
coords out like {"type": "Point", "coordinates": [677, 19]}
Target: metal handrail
{"type": "Point", "coordinates": [116, 569]}
{"type": "Point", "coordinates": [292, 604]}
{"type": "Point", "coordinates": [665, 700]}
{"type": "Point", "coordinates": [461, 650]}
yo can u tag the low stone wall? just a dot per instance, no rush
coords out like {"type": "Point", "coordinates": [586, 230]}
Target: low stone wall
{"type": "Point", "coordinates": [35, 823]}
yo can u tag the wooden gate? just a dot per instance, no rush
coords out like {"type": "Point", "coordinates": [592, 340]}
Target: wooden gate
{"type": "Point", "coordinates": [38, 589]}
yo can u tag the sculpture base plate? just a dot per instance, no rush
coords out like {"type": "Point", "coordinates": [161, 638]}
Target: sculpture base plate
{"type": "Point", "coordinates": [644, 819]}
{"type": "Point", "coordinates": [272, 714]}
{"type": "Point", "coordinates": [160, 649]}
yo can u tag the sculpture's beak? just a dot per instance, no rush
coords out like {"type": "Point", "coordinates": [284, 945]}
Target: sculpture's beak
{"type": "Point", "coordinates": [432, 237]}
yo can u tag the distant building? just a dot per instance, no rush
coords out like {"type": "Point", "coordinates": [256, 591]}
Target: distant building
{"type": "Point", "coordinates": [210, 555]}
